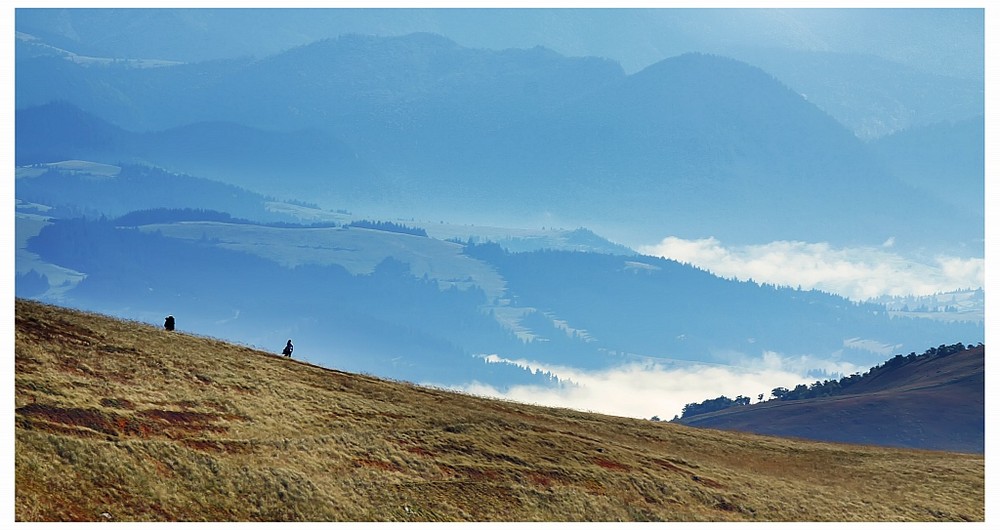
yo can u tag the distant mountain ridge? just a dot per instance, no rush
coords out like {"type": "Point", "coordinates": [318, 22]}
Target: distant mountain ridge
{"type": "Point", "coordinates": [945, 159]}
{"type": "Point", "coordinates": [687, 143]}
{"type": "Point", "coordinates": [870, 95]}
{"type": "Point", "coordinates": [935, 400]}
{"type": "Point", "coordinates": [232, 153]}
{"type": "Point", "coordinates": [634, 37]}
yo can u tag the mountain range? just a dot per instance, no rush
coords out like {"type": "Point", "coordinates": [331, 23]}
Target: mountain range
{"type": "Point", "coordinates": [415, 208]}
{"type": "Point", "coordinates": [695, 146]}
{"type": "Point", "coordinates": [862, 66]}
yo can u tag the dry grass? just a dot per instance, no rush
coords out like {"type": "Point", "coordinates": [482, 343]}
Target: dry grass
{"type": "Point", "coordinates": [123, 421]}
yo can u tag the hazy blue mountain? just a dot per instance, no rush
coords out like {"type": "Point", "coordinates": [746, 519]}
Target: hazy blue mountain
{"type": "Point", "coordinates": [634, 37]}
{"type": "Point", "coordinates": [411, 96]}
{"type": "Point", "coordinates": [263, 161]}
{"type": "Point", "coordinates": [871, 95]}
{"type": "Point", "coordinates": [689, 141]}
{"type": "Point", "coordinates": [61, 131]}
{"type": "Point", "coordinates": [944, 159]}
{"type": "Point", "coordinates": [121, 93]}
{"type": "Point", "coordinates": [885, 61]}
{"type": "Point", "coordinates": [678, 148]}
{"type": "Point", "coordinates": [335, 84]}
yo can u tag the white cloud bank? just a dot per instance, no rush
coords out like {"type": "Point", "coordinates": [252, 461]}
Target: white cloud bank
{"type": "Point", "coordinates": [856, 273]}
{"type": "Point", "coordinates": [644, 390]}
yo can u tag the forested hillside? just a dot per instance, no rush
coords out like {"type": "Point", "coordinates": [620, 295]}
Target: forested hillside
{"type": "Point", "coordinates": [664, 308]}
{"type": "Point", "coordinates": [934, 400]}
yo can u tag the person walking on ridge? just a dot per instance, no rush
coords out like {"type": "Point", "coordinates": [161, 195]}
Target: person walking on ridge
{"type": "Point", "coordinates": [168, 323]}
{"type": "Point", "coordinates": [287, 352]}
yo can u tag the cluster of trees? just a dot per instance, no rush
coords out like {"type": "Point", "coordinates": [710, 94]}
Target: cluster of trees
{"type": "Point", "coordinates": [31, 283]}
{"type": "Point", "coordinates": [834, 387]}
{"type": "Point", "coordinates": [943, 351]}
{"type": "Point", "coordinates": [173, 215]}
{"type": "Point", "coordinates": [830, 387]}
{"type": "Point", "coordinates": [817, 389]}
{"type": "Point", "coordinates": [388, 226]}
{"type": "Point", "coordinates": [178, 215]}
{"type": "Point", "coordinates": [940, 302]}
{"type": "Point", "coordinates": [712, 405]}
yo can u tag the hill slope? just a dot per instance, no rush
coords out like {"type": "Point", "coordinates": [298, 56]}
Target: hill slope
{"type": "Point", "coordinates": [121, 421]}
{"type": "Point", "coordinates": [238, 155]}
{"type": "Point", "coordinates": [933, 401]}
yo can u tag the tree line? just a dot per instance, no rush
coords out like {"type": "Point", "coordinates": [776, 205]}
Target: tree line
{"type": "Point", "coordinates": [178, 215]}
{"type": "Point", "coordinates": [388, 226]}
{"type": "Point", "coordinates": [827, 388]}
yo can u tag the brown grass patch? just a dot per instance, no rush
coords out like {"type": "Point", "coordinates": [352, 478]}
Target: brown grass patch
{"type": "Point", "coordinates": [611, 464]}
{"type": "Point", "coordinates": [377, 464]}
{"type": "Point", "coordinates": [92, 420]}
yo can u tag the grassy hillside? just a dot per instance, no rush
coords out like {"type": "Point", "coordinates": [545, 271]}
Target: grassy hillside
{"type": "Point", "coordinates": [933, 402]}
{"type": "Point", "coordinates": [122, 421]}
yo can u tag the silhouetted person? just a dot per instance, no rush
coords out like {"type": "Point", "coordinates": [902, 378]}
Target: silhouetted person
{"type": "Point", "coordinates": [168, 323]}
{"type": "Point", "coordinates": [287, 352]}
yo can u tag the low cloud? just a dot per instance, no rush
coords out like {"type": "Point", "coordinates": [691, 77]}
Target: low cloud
{"type": "Point", "coordinates": [644, 390]}
{"type": "Point", "coordinates": [858, 273]}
